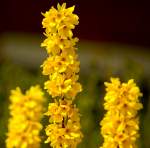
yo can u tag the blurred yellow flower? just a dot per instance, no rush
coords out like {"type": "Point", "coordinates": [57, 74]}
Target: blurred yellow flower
{"type": "Point", "coordinates": [120, 124]}
{"type": "Point", "coordinates": [62, 67]}
{"type": "Point", "coordinates": [24, 124]}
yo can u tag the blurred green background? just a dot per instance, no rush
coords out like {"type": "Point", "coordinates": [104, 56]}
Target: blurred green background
{"type": "Point", "coordinates": [20, 60]}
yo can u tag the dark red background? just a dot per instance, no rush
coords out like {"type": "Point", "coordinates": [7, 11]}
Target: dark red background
{"type": "Point", "coordinates": [124, 21]}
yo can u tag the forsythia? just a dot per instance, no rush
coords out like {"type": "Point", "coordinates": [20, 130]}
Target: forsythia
{"type": "Point", "coordinates": [24, 125]}
{"type": "Point", "coordinates": [120, 124]}
{"type": "Point", "coordinates": [62, 68]}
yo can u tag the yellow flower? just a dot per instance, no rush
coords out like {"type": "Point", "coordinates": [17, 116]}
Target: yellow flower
{"type": "Point", "coordinates": [61, 20]}
{"type": "Point", "coordinates": [120, 124]}
{"type": "Point", "coordinates": [65, 128]}
{"type": "Point", "coordinates": [59, 85]}
{"type": "Point", "coordinates": [62, 68]}
{"type": "Point", "coordinates": [24, 124]}
{"type": "Point", "coordinates": [60, 64]}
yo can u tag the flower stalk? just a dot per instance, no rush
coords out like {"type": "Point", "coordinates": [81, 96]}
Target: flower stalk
{"type": "Point", "coordinates": [120, 124]}
{"type": "Point", "coordinates": [24, 124]}
{"type": "Point", "coordinates": [62, 68]}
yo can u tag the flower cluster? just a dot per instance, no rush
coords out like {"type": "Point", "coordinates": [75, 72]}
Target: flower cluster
{"type": "Point", "coordinates": [65, 130]}
{"type": "Point", "coordinates": [62, 68]}
{"type": "Point", "coordinates": [24, 125]}
{"type": "Point", "coordinates": [120, 124]}
{"type": "Point", "coordinates": [62, 65]}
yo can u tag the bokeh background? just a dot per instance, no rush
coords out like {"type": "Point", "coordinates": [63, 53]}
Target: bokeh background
{"type": "Point", "coordinates": [114, 42]}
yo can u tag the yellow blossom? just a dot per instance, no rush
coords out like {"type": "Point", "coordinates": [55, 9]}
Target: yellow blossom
{"type": "Point", "coordinates": [60, 64]}
{"type": "Point", "coordinates": [60, 86]}
{"type": "Point", "coordinates": [120, 124]}
{"type": "Point", "coordinates": [61, 20]}
{"type": "Point", "coordinates": [62, 68]}
{"type": "Point", "coordinates": [24, 124]}
{"type": "Point", "coordinates": [65, 130]}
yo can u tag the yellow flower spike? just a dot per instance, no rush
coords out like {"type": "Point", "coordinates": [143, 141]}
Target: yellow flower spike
{"type": "Point", "coordinates": [24, 124]}
{"type": "Point", "coordinates": [62, 67]}
{"type": "Point", "coordinates": [119, 127]}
